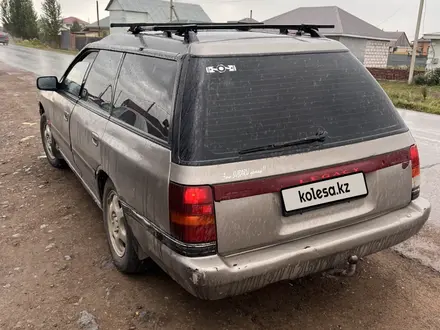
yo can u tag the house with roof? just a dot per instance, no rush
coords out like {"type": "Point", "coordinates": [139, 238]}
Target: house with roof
{"type": "Point", "coordinates": [153, 11]}
{"type": "Point", "coordinates": [68, 22]}
{"type": "Point", "coordinates": [246, 20]}
{"type": "Point", "coordinates": [399, 40]}
{"type": "Point", "coordinates": [401, 51]}
{"type": "Point", "coordinates": [434, 51]}
{"type": "Point", "coordinates": [96, 29]}
{"type": "Point", "coordinates": [423, 46]}
{"type": "Point", "coordinates": [367, 42]}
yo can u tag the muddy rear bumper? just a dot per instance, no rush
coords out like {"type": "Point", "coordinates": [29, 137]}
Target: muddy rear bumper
{"type": "Point", "coordinates": [217, 277]}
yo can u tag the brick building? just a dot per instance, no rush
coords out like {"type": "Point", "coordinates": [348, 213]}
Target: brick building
{"type": "Point", "coordinates": [368, 43]}
{"type": "Point", "coordinates": [423, 46]}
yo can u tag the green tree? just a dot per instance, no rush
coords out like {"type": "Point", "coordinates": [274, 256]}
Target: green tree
{"type": "Point", "coordinates": [16, 18]}
{"type": "Point", "coordinates": [30, 30]}
{"type": "Point", "coordinates": [76, 27]}
{"type": "Point", "coordinates": [51, 19]}
{"type": "Point", "coordinates": [6, 15]}
{"type": "Point", "coordinates": [19, 18]}
{"type": "Point", "coordinates": [40, 29]}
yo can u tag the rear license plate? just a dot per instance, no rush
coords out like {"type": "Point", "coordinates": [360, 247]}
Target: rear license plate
{"type": "Point", "coordinates": [324, 192]}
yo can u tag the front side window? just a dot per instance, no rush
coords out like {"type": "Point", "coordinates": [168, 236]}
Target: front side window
{"type": "Point", "coordinates": [143, 97]}
{"type": "Point", "coordinates": [74, 79]}
{"type": "Point", "coordinates": [98, 89]}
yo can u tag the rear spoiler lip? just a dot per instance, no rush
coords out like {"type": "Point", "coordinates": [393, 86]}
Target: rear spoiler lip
{"type": "Point", "coordinates": [275, 184]}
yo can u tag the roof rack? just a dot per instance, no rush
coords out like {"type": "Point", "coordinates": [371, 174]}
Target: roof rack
{"type": "Point", "coordinates": [189, 31]}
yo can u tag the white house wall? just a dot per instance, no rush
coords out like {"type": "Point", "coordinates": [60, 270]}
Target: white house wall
{"type": "Point", "coordinates": [376, 54]}
{"type": "Point", "coordinates": [148, 11]}
{"type": "Point", "coordinates": [119, 16]}
{"type": "Point", "coordinates": [371, 53]}
{"type": "Point", "coordinates": [434, 54]}
{"type": "Point", "coordinates": [115, 6]}
{"type": "Point", "coordinates": [356, 45]}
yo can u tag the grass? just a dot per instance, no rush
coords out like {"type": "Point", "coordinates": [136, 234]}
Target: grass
{"type": "Point", "coordinates": [411, 96]}
{"type": "Point", "coordinates": [35, 43]}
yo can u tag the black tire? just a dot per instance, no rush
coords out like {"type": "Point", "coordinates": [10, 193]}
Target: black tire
{"type": "Point", "coordinates": [53, 156]}
{"type": "Point", "coordinates": [129, 262]}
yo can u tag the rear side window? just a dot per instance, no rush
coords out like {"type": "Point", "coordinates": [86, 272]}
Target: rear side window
{"type": "Point", "coordinates": [98, 89]}
{"type": "Point", "coordinates": [144, 94]}
{"type": "Point", "coordinates": [237, 103]}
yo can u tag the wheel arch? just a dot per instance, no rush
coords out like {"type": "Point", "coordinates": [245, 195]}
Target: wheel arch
{"type": "Point", "coordinates": [41, 108]}
{"type": "Point", "coordinates": [101, 178]}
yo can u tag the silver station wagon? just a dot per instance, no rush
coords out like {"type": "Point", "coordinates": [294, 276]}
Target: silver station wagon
{"type": "Point", "coordinates": [231, 156]}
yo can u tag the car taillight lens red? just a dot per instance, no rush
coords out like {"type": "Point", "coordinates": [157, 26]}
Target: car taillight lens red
{"type": "Point", "coordinates": [415, 161]}
{"type": "Point", "coordinates": [415, 164]}
{"type": "Point", "coordinates": [192, 215]}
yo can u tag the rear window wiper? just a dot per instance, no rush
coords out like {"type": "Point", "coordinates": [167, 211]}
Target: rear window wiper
{"type": "Point", "coordinates": [319, 137]}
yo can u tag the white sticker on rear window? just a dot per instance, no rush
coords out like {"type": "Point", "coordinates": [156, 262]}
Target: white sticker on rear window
{"type": "Point", "coordinates": [221, 68]}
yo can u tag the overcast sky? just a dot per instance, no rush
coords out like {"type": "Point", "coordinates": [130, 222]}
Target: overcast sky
{"type": "Point", "coordinates": [390, 15]}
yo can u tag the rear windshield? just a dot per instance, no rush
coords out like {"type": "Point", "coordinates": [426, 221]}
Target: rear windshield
{"type": "Point", "coordinates": [238, 103]}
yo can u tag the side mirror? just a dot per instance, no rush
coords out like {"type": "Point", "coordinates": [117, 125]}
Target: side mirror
{"type": "Point", "coordinates": [49, 83]}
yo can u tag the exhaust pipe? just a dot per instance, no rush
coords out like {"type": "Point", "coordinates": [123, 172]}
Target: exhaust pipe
{"type": "Point", "coordinates": [349, 271]}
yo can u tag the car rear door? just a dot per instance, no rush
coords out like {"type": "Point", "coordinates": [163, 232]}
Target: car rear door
{"type": "Point", "coordinates": [137, 135]}
{"type": "Point", "coordinates": [294, 145]}
{"type": "Point", "coordinates": [61, 103]}
{"type": "Point", "coordinates": [90, 116]}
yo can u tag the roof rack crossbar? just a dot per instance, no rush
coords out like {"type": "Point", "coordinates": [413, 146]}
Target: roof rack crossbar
{"type": "Point", "coordinates": [189, 31]}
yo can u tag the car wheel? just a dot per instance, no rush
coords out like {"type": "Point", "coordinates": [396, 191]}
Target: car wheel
{"type": "Point", "coordinates": [50, 147]}
{"type": "Point", "coordinates": [121, 240]}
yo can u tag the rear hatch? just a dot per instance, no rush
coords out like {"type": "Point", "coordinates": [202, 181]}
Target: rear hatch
{"type": "Point", "coordinates": [292, 145]}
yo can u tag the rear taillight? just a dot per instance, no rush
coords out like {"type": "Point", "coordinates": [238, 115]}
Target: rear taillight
{"type": "Point", "coordinates": [415, 164]}
{"type": "Point", "coordinates": [192, 215]}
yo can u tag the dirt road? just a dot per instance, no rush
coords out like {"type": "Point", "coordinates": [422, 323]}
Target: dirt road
{"type": "Point", "coordinates": [54, 261]}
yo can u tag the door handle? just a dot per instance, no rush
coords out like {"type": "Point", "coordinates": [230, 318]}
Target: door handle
{"type": "Point", "coordinates": [66, 116]}
{"type": "Point", "coordinates": [95, 139]}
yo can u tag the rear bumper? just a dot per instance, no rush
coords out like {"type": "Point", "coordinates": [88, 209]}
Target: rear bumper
{"type": "Point", "coordinates": [217, 277]}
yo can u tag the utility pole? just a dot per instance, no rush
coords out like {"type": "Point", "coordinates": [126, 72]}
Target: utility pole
{"type": "Point", "coordinates": [416, 42]}
{"type": "Point", "coordinates": [97, 14]}
{"type": "Point", "coordinates": [171, 10]}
